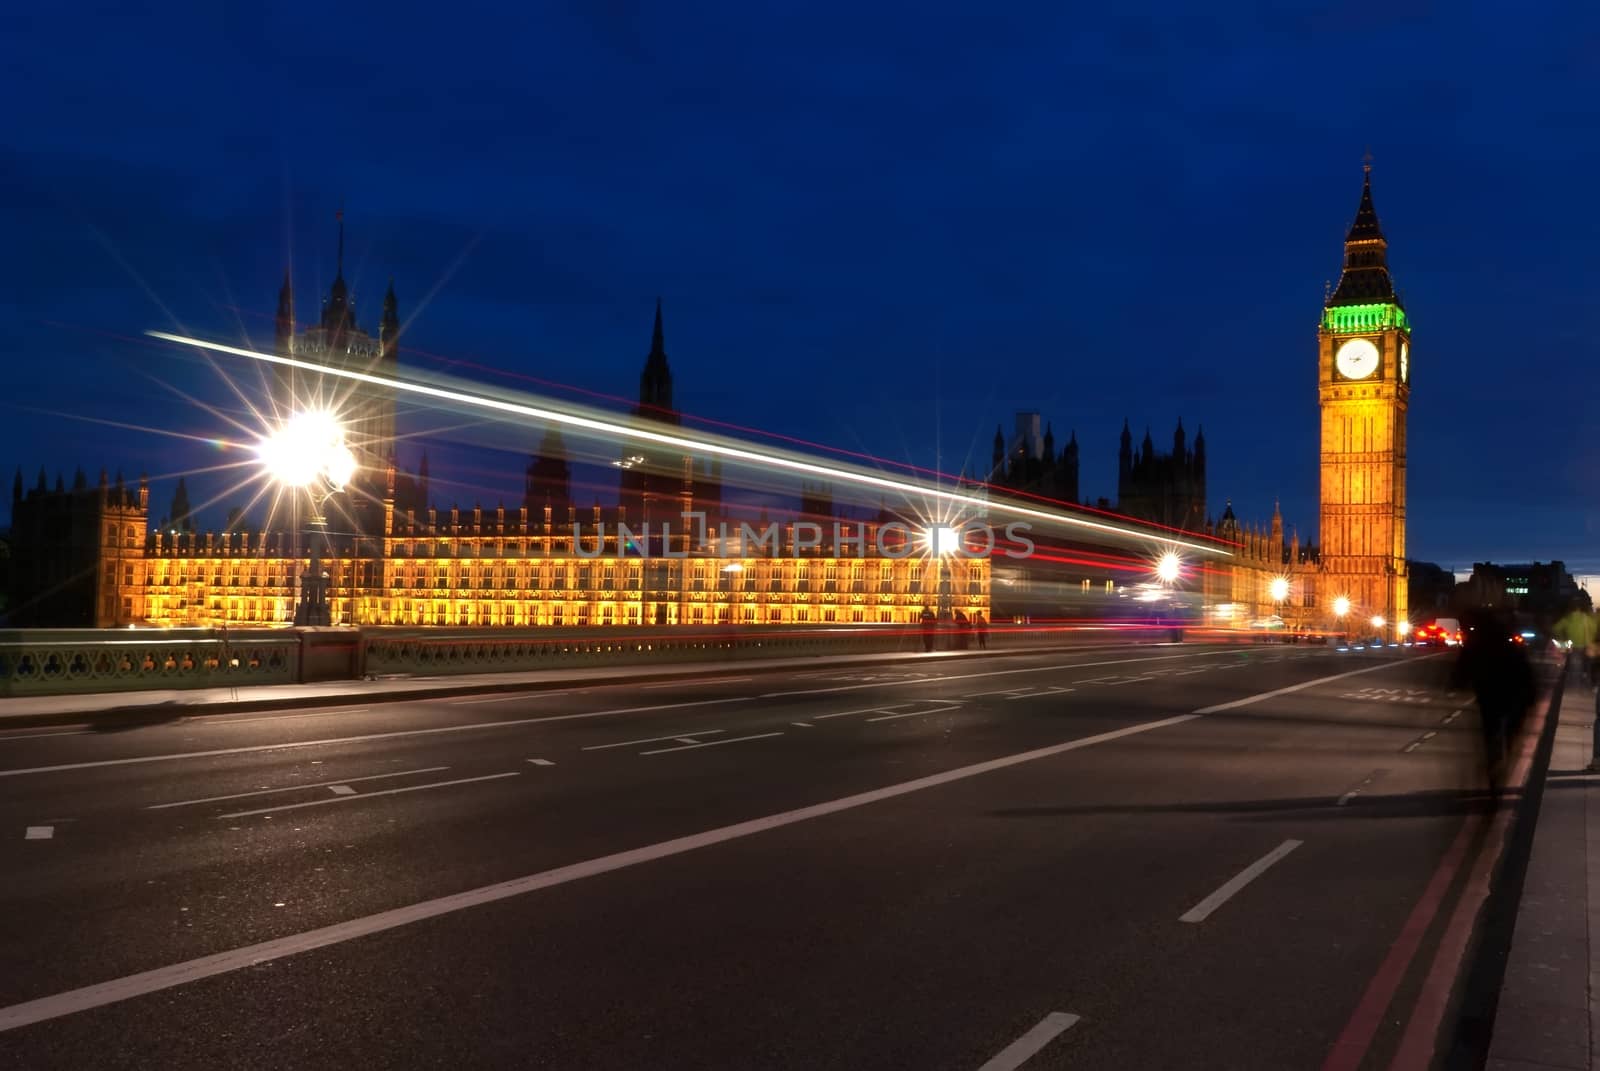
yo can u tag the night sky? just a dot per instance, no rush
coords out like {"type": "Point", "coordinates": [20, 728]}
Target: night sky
{"type": "Point", "coordinates": [882, 227]}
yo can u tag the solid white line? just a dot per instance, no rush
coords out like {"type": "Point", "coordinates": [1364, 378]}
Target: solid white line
{"type": "Point", "coordinates": [397, 734]}
{"type": "Point", "coordinates": [341, 790]}
{"type": "Point", "coordinates": [39, 833]}
{"type": "Point", "coordinates": [153, 981]}
{"type": "Point", "coordinates": [506, 698]}
{"type": "Point", "coordinates": [685, 684]}
{"type": "Point", "coordinates": [802, 725]}
{"type": "Point", "coordinates": [369, 795]}
{"type": "Point", "coordinates": [1302, 686]}
{"type": "Point", "coordinates": [1000, 673]}
{"type": "Point", "coordinates": [709, 743]}
{"type": "Point", "coordinates": [913, 714]}
{"type": "Point", "coordinates": [683, 740]}
{"type": "Point", "coordinates": [1205, 907]}
{"type": "Point", "coordinates": [41, 736]}
{"type": "Point", "coordinates": [541, 762]}
{"type": "Point", "coordinates": [1028, 1045]}
{"type": "Point", "coordinates": [651, 740]}
{"type": "Point", "coordinates": [294, 788]}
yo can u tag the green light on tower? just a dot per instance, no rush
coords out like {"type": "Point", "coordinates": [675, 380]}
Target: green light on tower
{"type": "Point", "coordinates": [1348, 319]}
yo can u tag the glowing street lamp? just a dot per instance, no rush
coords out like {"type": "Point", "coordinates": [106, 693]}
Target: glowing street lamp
{"type": "Point", "coordinates": [1169, 567]}
{"type": "Point", "coordinates": [1279, 589]}
{"type": "Point", "coordinates": [1341, 607]}
{"type": "Point", "coordinates": [1377, 621]}
{"type": "Point", "coordinates": [309, 453]}
{"type": "Point", "coordinates": [1403, 628]}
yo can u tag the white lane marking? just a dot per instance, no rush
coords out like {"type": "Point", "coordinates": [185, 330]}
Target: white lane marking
{"type": "Point", "coordinates": [685, 684]}
{"type": "Point", "coordinates": [1302, 686]}
{"type": "Point", "coordinates": [913, 714]}
{"type": "Point", "coordinates": [709, 743]}
{"type": "Point", "coordinates": [39, 833]}
{"type": "Point", "coordinates": [294, 788]}
{"type": "Point", "coordinates": [1000, 673]}
{"type": "Point", "coordinates": [1028, 1045]}
{"type": "Point", "coordinates": [397, 734]}
{"type": "Point", "coordinates": [651, 740]}
{"type": "Point", "coordinates": [1452, 716]}
{"type": "Point", "coordinates": [884, 709]}
{"type": "Point", "coordinates": [153, 981]}
{"type": "Point", "coordinates": [341, 790]}
{"type": "Point", "coordinates": [1347, 797]}
{"type": "Point", "coordinates": [234, 719]}
{"type": "Point", "coordinates": [506, 698]}
{"type": "Point", "coordinates": [1200, 911]}
{"type": "Point", "coordinates": [802, 725]}
{"type": "Point", "coordinates": [41, 736]}
{"type": "Point", "coordinates": [1413, 745]}
{"type": "Point", "coordinates": [1430, 734]}
{"type": "Point", "coordinates": [684, 740]}
{"type": "Point", "coordinates": [369, 795]}
{"type": "Point", "coordinates": [541, 762]}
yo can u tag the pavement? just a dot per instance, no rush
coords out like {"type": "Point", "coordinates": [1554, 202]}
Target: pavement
{"type": "Point", "coordinates": [1130, 857]}
{"type": "Point", "coordinates": [1547, 1015]}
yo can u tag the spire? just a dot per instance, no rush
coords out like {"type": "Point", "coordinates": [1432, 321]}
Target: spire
{"type": "Point", "coordinates": [336, 310]}
{"type": "Point", "coordinates": [655, 382]}
{"type": "Point", "coordinates": [1365, 279]}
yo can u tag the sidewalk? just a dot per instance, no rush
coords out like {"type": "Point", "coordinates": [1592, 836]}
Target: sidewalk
{"type": "Point", "coordinates": [49, 709]}
{"type": "Point", "coordinates": [1547, 1016]}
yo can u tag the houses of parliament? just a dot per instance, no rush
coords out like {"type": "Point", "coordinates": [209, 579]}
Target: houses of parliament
{"type": "Point", "coordinates": [87, 555]}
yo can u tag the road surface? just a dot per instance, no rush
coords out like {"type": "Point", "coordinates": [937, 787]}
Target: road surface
{"type": "Point", "coordinates": [1130, 857]}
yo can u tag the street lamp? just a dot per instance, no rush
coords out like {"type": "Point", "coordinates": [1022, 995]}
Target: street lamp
{"type": "Point", "coordinates": [309, 454]}
{"type": "Point", "coordinates": [1169, 567]}
{"type": "Point", "coordinates": [1341, 607]}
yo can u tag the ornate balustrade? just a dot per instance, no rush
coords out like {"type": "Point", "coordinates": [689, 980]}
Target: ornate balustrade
{"type": "Point", "coordinates": [64, 661]}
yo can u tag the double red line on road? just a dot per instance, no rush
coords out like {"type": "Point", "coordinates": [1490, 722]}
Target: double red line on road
{"type": "Point", "coordinates": [1417, 1042]}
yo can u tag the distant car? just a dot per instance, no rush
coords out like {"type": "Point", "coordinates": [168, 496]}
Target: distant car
{"type": "Point", "coordinates": [1445, 632]}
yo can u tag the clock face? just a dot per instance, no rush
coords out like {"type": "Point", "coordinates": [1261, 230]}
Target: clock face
{"type": "Point", "coordinates": [1405, 362]}
{"type": "Point", "coordinates": [1358, 359]}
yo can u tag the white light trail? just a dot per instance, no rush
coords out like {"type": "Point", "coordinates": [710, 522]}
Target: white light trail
{"type": "Point", "coordinates": [736, 453]}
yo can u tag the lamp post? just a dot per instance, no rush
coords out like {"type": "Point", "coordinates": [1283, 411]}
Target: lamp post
{"type": "Point", "coordinates": [308, 454]}
{"type": "Point", "coordinates": [1341, 610]}
{"type": "Point", "coordinates": [1278, 589]}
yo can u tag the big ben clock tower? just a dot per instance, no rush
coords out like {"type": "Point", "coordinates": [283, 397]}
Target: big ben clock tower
{"type": "Point", "coordinates": [1364, 388]}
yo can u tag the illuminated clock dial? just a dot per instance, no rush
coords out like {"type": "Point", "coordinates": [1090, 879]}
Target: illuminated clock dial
{"type": "Point", "coordinates": [1405, 362]}
{"type": "Point", "coordinates": [1357, 359]}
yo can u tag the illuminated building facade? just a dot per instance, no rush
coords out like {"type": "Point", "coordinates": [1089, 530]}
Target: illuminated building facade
{"type": "Point", "coordinates": [1364, 390]}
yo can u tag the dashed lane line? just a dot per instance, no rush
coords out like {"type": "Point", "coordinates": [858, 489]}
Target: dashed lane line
{"type": "Point", "coordinates": [1201, 911]}
{"type": "Point", "coordinates": [1032, 1043]}
{"type": "Point", "coordinates": [913, 714]}
{"type": "Point", "coordinates": [294, 788]}
{"type": "Point", "coordinates": [369, 795]}
{"type": "Point", "coordinates": [710, 743]}
{"type": "Point", "coordinates": [652, 740]}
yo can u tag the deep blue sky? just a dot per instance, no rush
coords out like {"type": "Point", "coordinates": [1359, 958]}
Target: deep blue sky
{"type": "Point", "coordinates": [885, 227]}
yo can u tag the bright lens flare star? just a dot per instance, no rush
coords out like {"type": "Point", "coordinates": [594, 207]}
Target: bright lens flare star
{"type": "Point", "coordinates": [1341, 606]}
{"type": "Point", "coordinates": [1279, 589]}
{"type": "Point", "coordinates": [308, 447]}
{"type": "Point", "coordinates": [1169, 568]}
{"type": "Point", "coordinates": [943, 539]}
{"type": "Point", "coordinates": [1377, 621]}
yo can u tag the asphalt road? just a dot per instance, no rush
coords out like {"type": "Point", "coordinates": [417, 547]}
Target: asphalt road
{"type": "Point", "coordinates": [1143, 857]}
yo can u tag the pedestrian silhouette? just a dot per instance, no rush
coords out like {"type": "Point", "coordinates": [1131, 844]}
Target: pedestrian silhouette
{"type": "Point", "coordinates": [981, 627]}
{"type": "Point", "coordinates": [928, 624]}
{"type": "Point", "coordinates": [1497, 671]}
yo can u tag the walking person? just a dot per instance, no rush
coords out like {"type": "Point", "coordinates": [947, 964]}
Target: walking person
{"type": "Point", "coordinates": [981, 627]}
{"type": "Point", "coordinates": [1579, 628]}
{"type": "Point", "coordinates": [1498, 672]}
{"type": "Point", "coordinates": [929, 622]}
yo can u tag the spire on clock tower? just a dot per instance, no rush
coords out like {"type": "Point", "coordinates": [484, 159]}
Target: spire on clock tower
{"type": "Point", "coordinates": [1365, 279]}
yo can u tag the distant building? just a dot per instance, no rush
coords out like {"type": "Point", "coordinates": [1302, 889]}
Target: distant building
{"type": "Point", "coordinates": [79, 553]}
{"type": "Point", "coordinates": [1542, 589]}
{"type": "Point", "coordinates": [1431, 590]}
{"type": "Point", "coordinates": [1167, 489]}
{"type": "Point", "coordinates": [1029, 462]}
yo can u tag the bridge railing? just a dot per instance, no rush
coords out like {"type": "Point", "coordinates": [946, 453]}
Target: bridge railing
{"type": "Point", "coordinates": [67, 661]}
